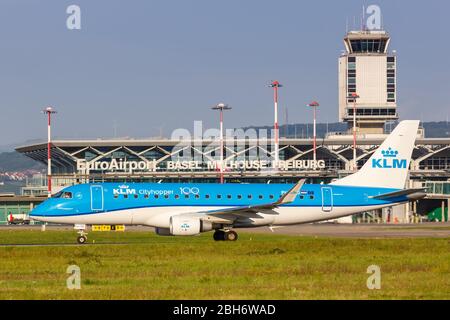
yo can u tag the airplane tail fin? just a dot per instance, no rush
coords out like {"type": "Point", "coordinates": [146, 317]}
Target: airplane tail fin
{"type": "Point", "coordinates": [388, 166]}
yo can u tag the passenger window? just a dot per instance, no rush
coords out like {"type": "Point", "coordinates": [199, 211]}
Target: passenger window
{"type": "Point", "coordinates": [229, 196]}
{"type": "Point", "coordinates": [146, 196]}
{"type": "Point", "coordinates": [125, 196]}
{"type": "Point", "coordinates": [116, 196]}
{"type": "Point", "coordinates": [197, 196]}
{"type": "Point", "coordinates": [239, 196]}
{"type": "Point", "coordinates": [166, 196]}
{"type": "Point", "coordinates": [207, 196]}
{"type": "Point", "coordinates": [219, 196]}
{"type": "Point", "coordinates": [249, 196]}
{"type": "Point", "coordinates": [311, 197]}
{"type": "Point", "coordinates": [186, 196]}
{"type": "Point", "coordinates": [156, 196]}
{"type": "Point", "coordinates": [260, 196]}
{"type": "Point", "coordinates": [177, 196]}
{"type": "Point", "coordinates": [135, 196]}
{"type": "Point", "coordinates": [302, 197]}
{"type": "Point", "coordinates": [271, 196]}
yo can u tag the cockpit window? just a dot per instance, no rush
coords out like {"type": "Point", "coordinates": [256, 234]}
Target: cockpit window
{"type": "Point", "coordinates": [63, 195]}
{"type": "Point", "coordinates": [57, 195]}
{"type": "Point", "coordinates": [67, 195]}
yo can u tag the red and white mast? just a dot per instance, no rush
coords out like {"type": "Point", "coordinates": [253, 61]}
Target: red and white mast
{"type": "Point", "coordinates": [275, 85]}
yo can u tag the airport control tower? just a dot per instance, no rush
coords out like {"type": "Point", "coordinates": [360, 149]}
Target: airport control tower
{"type": "Point", "coordinates": [369, 70]}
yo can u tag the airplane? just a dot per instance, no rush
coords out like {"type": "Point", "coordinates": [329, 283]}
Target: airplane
{"type": "Point", "coordinates": [186, 209]}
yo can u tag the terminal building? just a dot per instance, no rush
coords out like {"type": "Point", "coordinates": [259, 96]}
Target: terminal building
{"type": "Point", "coordinates": [366, 68]}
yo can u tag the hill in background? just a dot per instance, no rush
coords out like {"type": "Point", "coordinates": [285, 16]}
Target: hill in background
{"type": "Point", "coordinates": [15, 161]}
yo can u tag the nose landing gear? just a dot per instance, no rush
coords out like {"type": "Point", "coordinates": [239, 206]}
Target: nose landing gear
{"type": "Point", "coordinates": [225, 235]}
{"type": "Point", "coordinates": [82, 238]}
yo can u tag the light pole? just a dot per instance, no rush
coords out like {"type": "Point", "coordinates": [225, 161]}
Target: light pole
{"type": "Point", "coordinates": [275, 85]}
{"type": "Point", "coordinates": [314, 105]}
{"type": "Point", "coordinates": [354, 96]}
{"type": "Point", "coordinates": [221, 107]}
{"type": "Point", "coordinates": [49, 111]}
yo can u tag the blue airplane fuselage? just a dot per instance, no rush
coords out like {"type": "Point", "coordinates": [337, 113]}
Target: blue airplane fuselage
{"type": "Point", "coordinates": [136, 203]}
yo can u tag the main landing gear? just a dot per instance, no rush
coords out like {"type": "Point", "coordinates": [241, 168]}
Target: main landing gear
{"type": "Point", "coordinates": [225, 235]}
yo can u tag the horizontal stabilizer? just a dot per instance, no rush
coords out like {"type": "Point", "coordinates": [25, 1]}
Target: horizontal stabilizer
{"type": "Point", "coordinates": [410, 193]}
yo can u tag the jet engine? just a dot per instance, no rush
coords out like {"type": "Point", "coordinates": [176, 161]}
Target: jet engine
{"type": "Point", "coordinates": [188, 226]}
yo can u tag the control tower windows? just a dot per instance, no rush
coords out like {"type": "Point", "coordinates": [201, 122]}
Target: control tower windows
{"type": "Point", "coordinates": [372, 111]}
{"type": "Point", "coordinates": [351, 75]}
{"type": "Point", "coordinates": [391, 79]}
{"type": "Point", "coordinates": [368, 45]}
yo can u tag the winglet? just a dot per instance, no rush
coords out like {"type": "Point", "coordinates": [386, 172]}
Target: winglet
{"type": "Point", "coordinates": [289, 196]}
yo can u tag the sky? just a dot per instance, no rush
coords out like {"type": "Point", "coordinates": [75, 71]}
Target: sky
{"type": "Point", "coordinates": [138, 67]}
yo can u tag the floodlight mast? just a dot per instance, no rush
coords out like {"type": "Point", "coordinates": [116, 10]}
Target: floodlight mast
{"type": "Point", "coordinates": [275, 85]}
{"type": "Point", "coordinates": [314, 105]}
{"type": "Point", "coordinates": [353, 97]}
{"type": "Point", "coordinates": [221, 107]}
{"type": "Point", "coordinates": [49, 111]}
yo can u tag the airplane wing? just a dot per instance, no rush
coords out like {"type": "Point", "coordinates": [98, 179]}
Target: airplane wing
{"type": "Point", "coordinates": [231, 214]}
{"type": "Point", "coordinates": [407, 192]}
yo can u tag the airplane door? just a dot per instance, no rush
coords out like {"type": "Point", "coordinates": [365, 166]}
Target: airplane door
{"type": "Point", "coordinates": [97, 198]}
{"type": "Point", "coordinates": [327, 199]}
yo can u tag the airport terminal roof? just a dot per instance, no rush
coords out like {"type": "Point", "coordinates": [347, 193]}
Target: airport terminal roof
{"type": "Point", "coordinates": [337, 140]}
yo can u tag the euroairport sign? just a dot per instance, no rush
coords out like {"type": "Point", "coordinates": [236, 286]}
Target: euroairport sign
{"type": "Point", "coordinates": [123, 165]}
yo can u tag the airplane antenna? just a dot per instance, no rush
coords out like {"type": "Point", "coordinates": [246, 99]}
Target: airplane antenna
{"type": "Point", "coordinates": [115, 128]}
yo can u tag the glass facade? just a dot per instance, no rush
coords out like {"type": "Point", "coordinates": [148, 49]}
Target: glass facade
{"type": "Point", "coordinates": [368, 45]}
{"type": "Point", "coordinates": [351, 76]}
{"type": "Point", "coordinates": [373, 111]}
{"type": "Point", "coordinates": [391, 79]}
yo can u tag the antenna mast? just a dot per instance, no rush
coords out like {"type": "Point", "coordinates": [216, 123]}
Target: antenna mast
{"type": "Point", "coordinates": [363, 27]}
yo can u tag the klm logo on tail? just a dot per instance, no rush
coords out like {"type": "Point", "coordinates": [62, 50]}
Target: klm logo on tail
{"type": "Point", "coordinates": [389, 160]}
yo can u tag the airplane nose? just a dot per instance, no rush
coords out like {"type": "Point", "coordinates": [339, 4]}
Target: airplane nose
{"type": "Point", "coordinates": [38, 211]}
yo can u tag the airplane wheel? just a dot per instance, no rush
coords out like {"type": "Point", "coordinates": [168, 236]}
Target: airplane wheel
{"type": "Point", "coordinates": [81, 239]}
{"type": "Point", "coordinates": [219, 235]}
{"type": "Point", "coordinates": [231, 235]}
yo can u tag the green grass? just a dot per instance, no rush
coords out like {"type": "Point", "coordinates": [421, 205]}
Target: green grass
{"type": "Point", "coordinates": [445, 228]}
{"type": "Point", "coordinates": [257, 266]}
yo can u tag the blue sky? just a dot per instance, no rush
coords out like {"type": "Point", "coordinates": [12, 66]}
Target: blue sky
{"type": "Point", "coordinates": [139, 65]}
